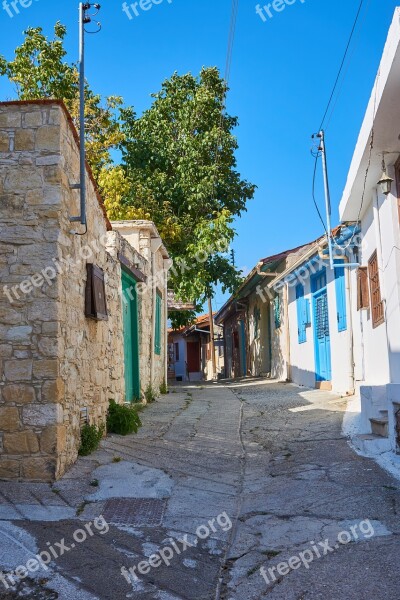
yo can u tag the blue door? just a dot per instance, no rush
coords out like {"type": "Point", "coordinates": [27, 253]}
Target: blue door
{"type": "Point", "coordinates": [322, 340]}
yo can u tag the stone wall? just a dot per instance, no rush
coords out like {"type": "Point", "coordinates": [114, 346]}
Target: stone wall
{"type": "Point", "coordinates": [54, 362]}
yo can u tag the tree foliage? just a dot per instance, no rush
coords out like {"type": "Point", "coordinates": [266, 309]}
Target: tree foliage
{"type": "Point", "coordinates": [180, 159]}
{"type": "Point", "coordinates": [178, 163]}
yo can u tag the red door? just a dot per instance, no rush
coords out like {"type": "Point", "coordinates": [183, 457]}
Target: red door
{"type": "Point", "coordinates": [193, 357]}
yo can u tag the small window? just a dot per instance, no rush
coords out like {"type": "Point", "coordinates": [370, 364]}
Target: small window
{"type": "Point", "coordinates": [277, 311]}
{"type": "Point", "coordinates": [95, 294]}
{"type": "Point", "coordinates": [157, 339]}
{"type": "Point", "coordinates": [362, 288]}
{"type": "Point", "coordinates": [377, 306]}
{"type": "Point", "coordinates": [177, 352]}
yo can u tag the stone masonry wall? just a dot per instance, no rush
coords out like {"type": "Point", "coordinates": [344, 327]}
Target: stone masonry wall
{"type": "Point", "coordinates": [54, 362]}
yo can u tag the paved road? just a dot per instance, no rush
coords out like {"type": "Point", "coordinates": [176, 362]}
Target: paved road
{"type": "Point", "coordinates": [246, 490]}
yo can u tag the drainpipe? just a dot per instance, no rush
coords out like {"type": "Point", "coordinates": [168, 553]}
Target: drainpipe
{"type": "Point", "coordinates": [155, 244]}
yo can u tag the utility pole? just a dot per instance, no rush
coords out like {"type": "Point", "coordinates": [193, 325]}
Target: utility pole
{"type": "Point", "coordinates": [212, 341]}
{"type": "Point", "coordinates": [84, 19]}
{"type": "Point", "coordinates": [321, 135]}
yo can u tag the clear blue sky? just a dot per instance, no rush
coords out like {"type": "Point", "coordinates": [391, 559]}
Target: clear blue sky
{"type": "Point", "coordinates": [282, 73]}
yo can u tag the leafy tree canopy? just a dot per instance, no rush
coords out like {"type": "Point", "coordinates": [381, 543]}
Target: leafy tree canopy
{"type": "Point", "coordinates": [178, 163]}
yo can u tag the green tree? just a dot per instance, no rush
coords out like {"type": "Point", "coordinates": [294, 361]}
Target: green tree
{"type": "Point", "coordinates": [179, 165]}
{"type": "Point", "coordinates": [180, 160]}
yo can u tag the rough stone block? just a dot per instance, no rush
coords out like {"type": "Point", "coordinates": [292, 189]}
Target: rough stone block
{"type": "Point", "coordinates": [18, 370]}
{"type": "Point", "coordinates": [48, 138]}
{"type": "Point", "coordinates": [9, 418]}
{"type": "Point", "coordinates": [50, 328]}
{"type": "Point", "coordinates": [4, 141]}
{"type": "Point", "coordinates": [22, 442]}
{"type": "Point", "coordinates": [53, 391]}
{"type": "Point", "coordinates": [39, 469]}
{"type": "Point", "coordinates": [23, 178]}
{"type": "Point", "coordinates": [41, 415]}
{"type": "Point", "coordinates": [9, 469]}
{"type": "Point", "coordinates": [19, 393]}
{"type": "Point", "coordinates": [53, 438]}
{"type": "Point", "coordinates": [18, 334]}
{"type": "Point", "coordinates": [48, 346]}
{"type": "Point", "coordinates": [10, 119]}
{"type": "Point", "coordinates": [33, 119]}
{"type": "Point", "coordinates": [45, 369]}
{"type": "Point", "coordinates": [24, 139]}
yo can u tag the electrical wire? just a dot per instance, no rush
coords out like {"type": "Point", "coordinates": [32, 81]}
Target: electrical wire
{"type": "Point", "coordinates": [342, 64]}
{"type": "Point", "coordinates": [347, 68]}
{"type": "Point", "coordinates": [316, 156]}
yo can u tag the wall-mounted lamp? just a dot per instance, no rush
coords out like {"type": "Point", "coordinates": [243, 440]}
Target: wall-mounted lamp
{"type": "Point", "coordinates": [385, 181]}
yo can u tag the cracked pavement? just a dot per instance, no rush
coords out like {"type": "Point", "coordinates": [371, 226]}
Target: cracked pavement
{"type": "Point", "coordinates": [269, 455]}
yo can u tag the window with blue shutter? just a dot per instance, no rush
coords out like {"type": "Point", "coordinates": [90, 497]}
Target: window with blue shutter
{"type": "Point", "coordinates": [277, 311]}
{"type": "Point", "coordinates": [157, 339]}
{"type": "Point", "coordinates": [303, 314]}
{"type": "Point", "coordinates": [340, 283]}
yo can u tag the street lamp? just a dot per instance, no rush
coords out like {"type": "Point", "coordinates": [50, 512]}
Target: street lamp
{"type": "Point", "coordinates": [385, 181]}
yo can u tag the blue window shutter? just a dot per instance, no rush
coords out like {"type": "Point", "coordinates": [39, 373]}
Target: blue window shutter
{"type": "Point", "coordinates": [308, 312]}
{"type": "Point", "coordinates": [340, 283]}
{"type": "Point", "coordinates": [301, 314]}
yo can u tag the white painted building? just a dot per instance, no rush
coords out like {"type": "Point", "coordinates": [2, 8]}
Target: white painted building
{"type": "Point", "coordinates": [376, 315]}
{"type": "Point", "coordinates": [317, 344]}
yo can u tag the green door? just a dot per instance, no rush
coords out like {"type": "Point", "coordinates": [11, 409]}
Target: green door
{"type": "Point", "coordinates": [131, 338]}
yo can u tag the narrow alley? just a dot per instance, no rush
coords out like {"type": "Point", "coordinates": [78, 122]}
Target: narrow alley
{"type": "Point", "coordinates": [226, 484]}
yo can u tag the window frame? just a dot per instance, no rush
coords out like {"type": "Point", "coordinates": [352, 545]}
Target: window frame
{"type": "Point", "coordinates": [95, 294]}
{"type": "Point", "coordinates": [377, 303]}
{"type": "Point", "coordinates": [363, 300]}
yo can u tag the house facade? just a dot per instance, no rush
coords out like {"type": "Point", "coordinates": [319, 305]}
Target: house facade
{"type": "Point", "coordinates": [319, 340]}
{"type": "Point", "coordinates": [190, 352]}
{"type": "Point", "coordinates": [83, 314]}
{"type": "Point", "coordinates": [376, 284]}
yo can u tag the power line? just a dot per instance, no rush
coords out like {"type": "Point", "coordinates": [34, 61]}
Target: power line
{"type": "Point", "coordinates": [317, 155]}
{"type": "Point", "coordinates": [342, 64]}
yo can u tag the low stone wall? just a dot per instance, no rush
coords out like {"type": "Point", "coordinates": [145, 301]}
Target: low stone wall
{"type": "Point", "coordinates": [55, 362]}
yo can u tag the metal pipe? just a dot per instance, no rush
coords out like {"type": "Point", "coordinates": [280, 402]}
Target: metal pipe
{"type": "Point", "coordinates": [82, 112]}
{"type": "Point", "coordinates": [321, 135]}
